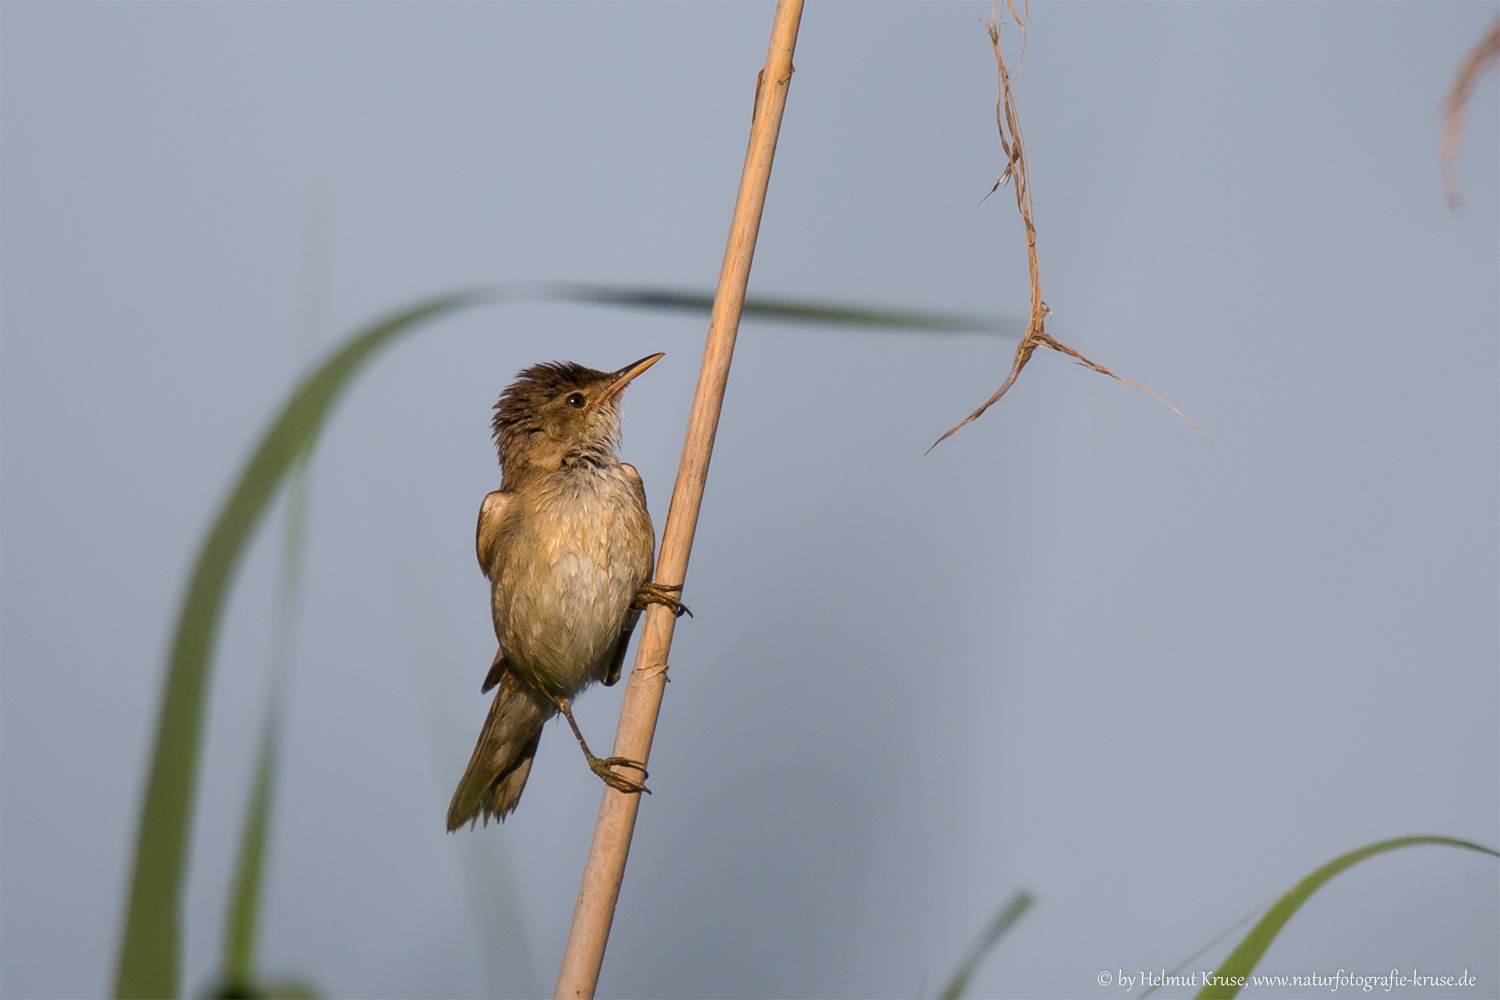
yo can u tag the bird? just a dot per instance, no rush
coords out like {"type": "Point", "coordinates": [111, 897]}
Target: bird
{"type": "Point", "coordinates": [568, 547]}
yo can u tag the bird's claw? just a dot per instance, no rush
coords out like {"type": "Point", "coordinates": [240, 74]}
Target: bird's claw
{"type": "Point", "coordinates": [661, 593]}
{"type": "Point", "coordinates": [601, 767]}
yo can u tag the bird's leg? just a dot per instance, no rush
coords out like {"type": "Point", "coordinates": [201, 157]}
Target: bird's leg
{"type": "Point", "coordinates": [601, 766]}
{"type": "Point", "coordinates": [660, 593]}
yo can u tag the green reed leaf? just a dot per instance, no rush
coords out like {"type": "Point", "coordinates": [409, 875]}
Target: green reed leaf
{"type": "Point", "coordinates": [278, 989]}
{"type": "Point", "coordinates": [1201, 951]}
{"type": "Point", "coordinates": [150, 945]}
{"type": "Point", "coordinates": [1231, 976]}
{"type": "Point", "coordinates": [244, 898]}
{"type": "Point", "coordinates": [1002, 922]}
{"type": "Point", "coordinates": [241, 920]}
{"type": "Point", "coordinates": [779, 310]}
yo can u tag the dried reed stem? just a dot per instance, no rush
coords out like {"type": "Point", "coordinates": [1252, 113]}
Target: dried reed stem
{"type": "Point", "coordinates": [1480, 58]}
{"type": "Point", "coordinates": [606, 862]}
{"type": "Point", "coordinates": [1014, 147]}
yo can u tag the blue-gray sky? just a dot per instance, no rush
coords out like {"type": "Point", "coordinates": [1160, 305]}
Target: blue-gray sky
{"type": "Point", "coordinates": [1076, 648]}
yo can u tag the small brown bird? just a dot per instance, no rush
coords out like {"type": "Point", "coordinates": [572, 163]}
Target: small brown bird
{"type": "Point", "coordinates": [568, 547]}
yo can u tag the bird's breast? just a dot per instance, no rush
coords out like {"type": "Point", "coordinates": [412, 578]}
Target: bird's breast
{"type": "Point", "coordinates": [579, 554]}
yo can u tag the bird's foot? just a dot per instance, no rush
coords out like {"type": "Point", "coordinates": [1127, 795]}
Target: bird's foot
{"type": "Point", "coordinates": [660, 593]}
{"type": "Point", "coordinates": [602, 767]}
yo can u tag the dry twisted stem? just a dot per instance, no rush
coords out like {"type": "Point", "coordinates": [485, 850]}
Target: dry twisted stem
{"type": "Point", "coordinates": [1014, 147]}
{"type": "Point", "coordinates": [1480, 58]}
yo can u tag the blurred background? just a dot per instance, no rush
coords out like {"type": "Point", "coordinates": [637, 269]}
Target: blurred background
{"type": "Point", "coordinates": [1077, 648]}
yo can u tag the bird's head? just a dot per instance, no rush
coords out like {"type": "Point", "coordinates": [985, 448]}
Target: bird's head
{"type": "Point", "coordinates": [561, 413]}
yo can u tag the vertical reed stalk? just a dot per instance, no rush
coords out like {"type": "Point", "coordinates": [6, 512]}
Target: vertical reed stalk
{"type": "Point", "coordinates": [605, 868]}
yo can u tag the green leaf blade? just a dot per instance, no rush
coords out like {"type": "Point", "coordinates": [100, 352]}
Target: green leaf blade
{"type": "Point", "coordinates": [1230, 977]}
{"type": "Point", "coordinates": [244, 907]}
{"type": "Point", "coordinates": [776, 309]}
{"type": "Point", "coordinates": [1014, 909]}
{"type": "Point", "coordinates": [149, 949]}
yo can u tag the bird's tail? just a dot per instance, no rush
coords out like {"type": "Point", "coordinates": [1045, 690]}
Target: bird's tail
{"type": "Point", "coordinates": [497, 772]}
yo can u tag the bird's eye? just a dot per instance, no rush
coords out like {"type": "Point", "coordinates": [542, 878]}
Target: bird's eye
{"type": "Point", "coordinates": [576, 400]}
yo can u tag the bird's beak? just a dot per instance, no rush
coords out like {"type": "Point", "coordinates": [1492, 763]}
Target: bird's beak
{"type": "Point", "coordinates": [624, 375]}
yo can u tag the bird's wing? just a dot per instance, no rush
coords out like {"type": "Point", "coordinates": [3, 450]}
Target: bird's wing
{"type": "Point", "coordinates": [498, 669]}
{"type": "Point", "coordinates": [640, 492]}
{"type": "Point", "coordinates": [635, 480]}
{"type": "Point", "coordinates": [617, 661]}
{"type": "Point", "coordinates": [487, 532]}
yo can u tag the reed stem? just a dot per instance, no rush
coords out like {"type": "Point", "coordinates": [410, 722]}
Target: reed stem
{"type": "Point", "coordinates": [600, 889]}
